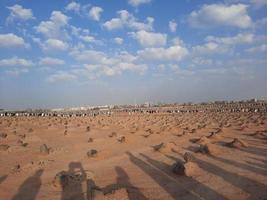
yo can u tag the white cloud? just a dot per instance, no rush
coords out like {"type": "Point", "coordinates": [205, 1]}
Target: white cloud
{"type": "Point", "coordinates": [241, 38]}
{"type": "Point", "coordinates": [172, 26]}
{"type": "Point", "coordinates": [222, 45]}
{"type": "Point", "coordinates": [126, 19]}
{"type": "Point", "coordinates": [54, 45]}
{"type": "Point", "coordinates": [118, 40]}
{"type": "Point", "coordinates": [150, 39]}
{"type": "Point", "coordinates": [259, 3]}
{"type": "Point", "coordinates": [95, 13]}
{"type": "Point", "coordinates": [114, 23]}
{"type": "Point", "coordinates": [11, 40]}
{"type": "Point", "coordinates": [261, 22]}
{"type": "Point", "coordinates": [18, 12]}
{"type": "Point", "coordinates": [90, 56]}
{"type": "Point", "coordinates": [177, 41]}
{"type": "Point", "coordinates": [55, 27]}
{"type": "Point", "coordinates": [61, 76]}
{"type": "Point", "coordinates": [51, 61]}
{"type": "Point", "coordinates": [260, 48]}
{"type": "Point", "coordinates": [170, 54]}
{"type": "Point", "coordinates": [97, 63]}
{"type": "Point", "coordinates": [73, 6]}
{"type": "Point", "coordinates": [219, 14]}
{"type": "Point", "coordinates": [15, 62]}
{"type": "Point", "coordinates": [89, 39]}
{"type": "Point", "coordinates": [136, 3]}
{"type": "Point", "coordinates": [210, 48]}
{"type": "Point", "coordinates": [16, 72]}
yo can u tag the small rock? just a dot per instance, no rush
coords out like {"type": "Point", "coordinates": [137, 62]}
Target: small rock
{"type": "Point", "coordinates": [190, 169]}
{"type": "Point", "coordinates": [44, 149]}
{"type": "Point", "coordinates": [20, 142]}
{"type": "Point", "coordinates": [178, 168]}
{"type": "Point", "coordinates": [237, 143]}
{"type": "Point", "coordinates": [189, 157]}
{"type": "Point", "coordinates": [158, 146]}
{"type": "Point", "coordinates": [3, 135]}
{"type": "Point", "coordinates": [61, 179]}
{"type": "Point", "coordinates": [4, 147]}
{"type": "Point", "coordinates": [211, 149]}
{"type": "Point", "coordinates": [88, 128]}
{"type": "Point", "coordinates": [193, 130]}
{"type": "Point", "coordinates": [22, 136]}
{"type": "Point", "coordinates": [90, 140]}
{"type": "Point", "coordinates": [92, 153]}
{"type": "Point", "coordinates": [121, 138]}
{"type": "Point", "coordinates": [24, 144]}
{"type": "Point", "coordinates": [16, 168]}
{"type": "Point", "coordinates": [112, 134]}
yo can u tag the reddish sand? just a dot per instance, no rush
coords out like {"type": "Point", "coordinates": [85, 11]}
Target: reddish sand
{"type": "Point", "coordinates": [133, 169]}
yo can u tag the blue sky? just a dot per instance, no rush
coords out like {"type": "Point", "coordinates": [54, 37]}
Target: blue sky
{"type": "Point", "coordinates": [72, 53]}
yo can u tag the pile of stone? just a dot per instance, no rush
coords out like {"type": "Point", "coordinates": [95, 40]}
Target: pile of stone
{"type": "Point", "coordinates": [188, 167]}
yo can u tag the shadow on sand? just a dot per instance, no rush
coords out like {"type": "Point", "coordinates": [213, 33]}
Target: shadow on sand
{"type": "Point", "coordinates": [255, 189]}
{"type": "Point", "coordinates": [74, 190]}
{"type": "Point", "coordinates": [30, 187]}
{"type": "Point", "coordinates": [179, 187]}
{"type": "Point", "coordinates": [242, 166]}
{"type": "Point", "coordinates": [3, 178]}
{"type": "Point", "coordinates": [123, 181]}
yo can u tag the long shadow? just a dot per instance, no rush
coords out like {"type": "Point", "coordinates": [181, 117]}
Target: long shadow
{"type": "Point", "coordinates": [169, 184]}
{"type": "Point", "coordinates": [258, 159]}
{"type": "Point", "coordinates": [3, 178]}
{"type": "Point", "coordinates": [243, 166]}
{"type": "Point", "coordinates": [255, 189]}
{"type": "Point", "coordinates": [30, 187]}
{"type": "Point", "coordinates": [123, 181]}
{"type": "Point", "coordinates": [198, 187]}
{"type": "Point", "coordinates": [264, 166]}
{"type": "Point", "coordinates": [255, 150]}
{"type": "Point", "coordinates": [73, 190]}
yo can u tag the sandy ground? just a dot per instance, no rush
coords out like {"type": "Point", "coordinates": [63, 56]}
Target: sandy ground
{"type": "Point", "coordinates": [133, 169]}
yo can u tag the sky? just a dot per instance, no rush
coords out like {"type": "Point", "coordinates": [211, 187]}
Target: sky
{"type": "Point", "coordinates": [63, 53]}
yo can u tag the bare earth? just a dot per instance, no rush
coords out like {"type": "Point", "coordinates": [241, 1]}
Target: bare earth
{"type": "Point", "coordinates": [134, 168]}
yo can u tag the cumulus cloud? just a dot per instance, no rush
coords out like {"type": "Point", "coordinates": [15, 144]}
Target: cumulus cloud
{"type": "Point", "coordinates": [11, 40]}
{"type": "Point", "coordinates": [241, 38]}
{"type": "Point", "coordinates": [95, 13]}
{"type": "Point", "coordinates": [54, 28]}
{"type": "Point", "coordinates": [235, 15]}
{"type": "Point", "coordinates": [170, 54]}
{"type": "Point", "coordinates": [222, 45]}
{"type": "Point", "coordinates": [136, 3]}
{"type": "Point", "coordinates": [172, 26]}
{"type": "Point", "coordinates": [260, 48]}
{"type": "Point", "coordinates": [150, 39]}
{"type": "Point", "coordinates": [54, 45]}
{"type": "Point", "coordinates": [87, 38]}
{"type": "Point", "coordinates": [125, 19]}
{"type": "Point", "coordinates": [73, 6]}
{"type": "Point", "coordinates": [61, 76]}
{"type": "Point", "coordinates": [210, 48]}
{"type": "Point", "coordinates": [98, 63]}
{"type": "Point", "coordinates": [48, 61]}
{"type": "Point", "coordinates": [20, 13]}
{"type": "Point", "coordinates": [16, 72]}
{"type": "Point", "coordinates": [118, 40]}
{"type": "Point", "coordinates": [259, 3]}
{"type": "Point", "coordinates": [15, 62]}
